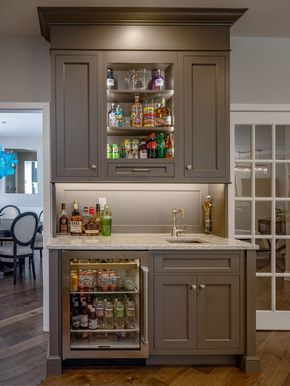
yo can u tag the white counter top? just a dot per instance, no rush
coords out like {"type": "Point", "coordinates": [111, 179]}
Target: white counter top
{"type": "Point", "coordinates": [148, 241]}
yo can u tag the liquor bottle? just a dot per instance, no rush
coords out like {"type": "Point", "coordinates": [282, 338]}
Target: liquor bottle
{"type": "Point", "coordinates": [160, 150]}
{"type": "Point", "coordinates": [76, 318]}
{"type": "Point", "coordinates": [84, 316]}
{"type": "Point", "coordinates": [112, 116]}
{"type": "Point", "coordinates": [98, 217]}
{"type": "Point", "coordinates": [106, 221]}
{"type": "Point", "coordinates": [148, 113]}
{"type": "Point", "coordinates": [136, 116]}
{"type": "Point", "coordinates": [63, 223]}
{"type": "Point", "coordinates": [85, 217]}
{"type": "Point", "coordinates": [91, 228]}
{"type": "Point", "coordinates": [169, 146]}
{"type": "Point", "coordinates": [76, 221]}
{"type": "Point", "coordinates": [162, 115]}
{"type": "Point", "coordinates": [157, 81]}
{"type": "Point", "coordinates": [110, 79]}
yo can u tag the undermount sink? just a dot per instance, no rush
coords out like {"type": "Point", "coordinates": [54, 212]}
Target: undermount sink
{"type": "Point", "coordinates": [185, 241]}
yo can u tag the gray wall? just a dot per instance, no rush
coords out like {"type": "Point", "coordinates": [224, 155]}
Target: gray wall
{"type": "Point", "coordinates": [24, 69]}
{"type": "Point", "coordinates": [260, 70]}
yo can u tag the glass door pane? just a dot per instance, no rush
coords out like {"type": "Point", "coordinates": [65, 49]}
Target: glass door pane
{"type": "Point", "coordinates": [105, 304]}
{"type": "Point", "coordinates": [140, 111]}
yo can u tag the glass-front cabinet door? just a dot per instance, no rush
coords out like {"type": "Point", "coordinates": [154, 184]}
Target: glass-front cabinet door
{"type": "Point", "coordinates": [140, 116]}
{"type": "Point", "coordinates": [261, 197]}
{"type": "Point", "coordinates": [103, 296]}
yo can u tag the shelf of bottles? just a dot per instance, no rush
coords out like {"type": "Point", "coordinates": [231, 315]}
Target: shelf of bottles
{"type": "Point", "coordinates": [105, 304]}
{"type": "Point", "coordinates": [140, 111]}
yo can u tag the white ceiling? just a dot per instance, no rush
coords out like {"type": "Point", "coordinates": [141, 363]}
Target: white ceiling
{"type": "Point", "coordinates": [264, 18]}
{"type": "Point", "coordinates": [20, 123]}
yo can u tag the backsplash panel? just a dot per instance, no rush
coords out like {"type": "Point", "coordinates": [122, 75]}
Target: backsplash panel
{"type": "Point", "coordinates": [139, 208]}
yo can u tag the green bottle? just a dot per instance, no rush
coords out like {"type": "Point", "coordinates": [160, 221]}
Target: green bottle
{"type": "Point", "coordinates": [106, 221]}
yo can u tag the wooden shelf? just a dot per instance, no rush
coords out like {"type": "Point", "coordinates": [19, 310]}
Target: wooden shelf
{"type": "Point", "coordinates": [117, 96]}
{"type": "Point", "coordinates": [137, 131]}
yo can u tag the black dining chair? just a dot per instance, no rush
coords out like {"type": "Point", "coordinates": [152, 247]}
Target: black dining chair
{"type": "Point", "coordinates": [38, 245]}
{"type": "Point", "coordinates": [8, 212]}
{"type": "Point", "coordinates": [23, 230]}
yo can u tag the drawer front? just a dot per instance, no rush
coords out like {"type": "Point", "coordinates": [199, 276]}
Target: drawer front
{"type": "Point", "coordinates": [198, 262]}
{"type": "Point", "coordinates": [136, 170]}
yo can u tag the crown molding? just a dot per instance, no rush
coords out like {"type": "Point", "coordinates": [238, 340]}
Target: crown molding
{"type": "Point", "coordinates": [49, 16]}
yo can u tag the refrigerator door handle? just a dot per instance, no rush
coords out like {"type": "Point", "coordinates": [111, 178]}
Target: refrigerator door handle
{"type": "Point", "coordinates": [145, 273]}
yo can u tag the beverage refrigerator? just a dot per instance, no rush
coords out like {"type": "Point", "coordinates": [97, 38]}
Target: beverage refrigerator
{"type": "Point", "coordinates": [104, 304]}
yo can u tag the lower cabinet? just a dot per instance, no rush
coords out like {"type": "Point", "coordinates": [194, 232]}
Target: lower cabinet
{"type": "Point", "coordinates": [196, 312]}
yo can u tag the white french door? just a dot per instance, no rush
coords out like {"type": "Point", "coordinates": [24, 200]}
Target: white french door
{"type": "Point", "coordinates": [259, 203]}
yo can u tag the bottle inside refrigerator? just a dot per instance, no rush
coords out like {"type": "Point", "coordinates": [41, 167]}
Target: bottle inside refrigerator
{"type": "Point", "coordinates": [105, 304]}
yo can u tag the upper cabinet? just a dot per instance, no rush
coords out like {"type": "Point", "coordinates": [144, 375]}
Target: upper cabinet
{"type": "Point", "coordinates": [139, 95]}
{"type": "Point", "coordinates": [205, 114]}
{"type": "Point", "coordinates": [140, 105]}
{"type": "Point", "coordinates": [76, 117]}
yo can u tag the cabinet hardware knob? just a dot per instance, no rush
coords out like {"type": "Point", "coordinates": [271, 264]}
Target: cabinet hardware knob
{"type": "Point", "coordinates": [188, 167]}
{"type": "Point", "coordinates": [193, 286]}
{"type": "Point", "coordinates": [202, 286]}
{"type": "Point", "coordinates": [94, 167]}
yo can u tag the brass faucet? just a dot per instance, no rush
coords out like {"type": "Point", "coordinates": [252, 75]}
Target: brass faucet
{"type": "Point", "coordinates": [176, 231]}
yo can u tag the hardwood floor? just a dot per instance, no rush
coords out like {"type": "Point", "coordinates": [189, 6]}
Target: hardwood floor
{"type": "Point", "coordinates": [23, 345]}
{"type": "Point", "coordinates": [23, 352]}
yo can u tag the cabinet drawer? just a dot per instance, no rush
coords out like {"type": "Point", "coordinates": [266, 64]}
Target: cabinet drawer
{"type": "Point", "coordinates": [198, 262]}
{"type": "Point", "coordinates": [137, 170]}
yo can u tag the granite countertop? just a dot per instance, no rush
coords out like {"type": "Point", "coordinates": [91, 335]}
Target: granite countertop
{"type": "Point", "coordinates": [147, 241]}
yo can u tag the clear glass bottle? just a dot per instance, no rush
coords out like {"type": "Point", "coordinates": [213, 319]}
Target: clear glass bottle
{"type": "Point", "coordinates": [108, 315]}
{"type": "Point", "coordinates": [136, 114]}
{"type": "Point", "coordinates": [100, 314]}
{"type": "Point", "coordinates": [130, 314]}
{"type": "Point", "coordinates": [119, 311]}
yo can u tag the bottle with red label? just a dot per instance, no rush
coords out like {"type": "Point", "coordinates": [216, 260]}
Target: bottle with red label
{"type": "Point", "coordinates": [169, 146]}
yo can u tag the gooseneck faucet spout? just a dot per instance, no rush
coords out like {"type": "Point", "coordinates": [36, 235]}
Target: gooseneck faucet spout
{"type": "Point", "coordinates": [176, 231]}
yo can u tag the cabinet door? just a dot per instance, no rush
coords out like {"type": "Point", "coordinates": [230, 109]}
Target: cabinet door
{"type": "Point", "coordinates": [218, 312]}
{"type": "Point", "coordinates": [206, 132]}
{"type": "Point", "coordinates": [76, 113]}
{"type": "Point", "coordinates": [174, 313]}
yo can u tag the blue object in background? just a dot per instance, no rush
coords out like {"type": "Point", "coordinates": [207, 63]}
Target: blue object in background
{"type": "Point", "coordinates": [7, 162]}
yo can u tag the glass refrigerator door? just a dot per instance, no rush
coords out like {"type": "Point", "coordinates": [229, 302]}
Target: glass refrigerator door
{"type": "Point", "coordinates": [104, 304]}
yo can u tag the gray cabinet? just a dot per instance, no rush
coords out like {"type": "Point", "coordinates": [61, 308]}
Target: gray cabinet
{"type": "Point", "coordinates": [206, 111]}
{"type": "Point", "coordinates": [196, 94]}
{"type": "Point", "coordinates": [76, 116]}
{"type": "Point", "coordinates": [197, 303]}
